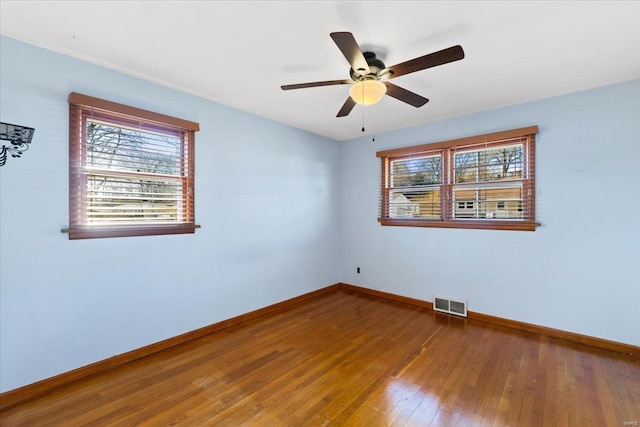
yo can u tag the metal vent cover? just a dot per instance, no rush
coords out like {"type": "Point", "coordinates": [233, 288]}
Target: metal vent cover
{"type": "Point", "coordinates": [451, 306]}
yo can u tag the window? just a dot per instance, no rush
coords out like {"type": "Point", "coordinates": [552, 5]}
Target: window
{"type": "Point", "coordinates": [485, 181]}
{"type": "Point", "coordinates": [131, 171]}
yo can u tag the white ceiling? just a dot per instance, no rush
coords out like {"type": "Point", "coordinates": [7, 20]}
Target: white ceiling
{"type": "Point", "coordinates": [239, 53]}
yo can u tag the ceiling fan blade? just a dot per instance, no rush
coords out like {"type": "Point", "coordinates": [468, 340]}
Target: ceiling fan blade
{"type": "Point", "coordinates": [404, 95]}
{"type": "Point", "coordinates": [347, 107]}
{"type": "Point", "coordinates": [451, 54]}
{"type": "Point", "coordinates": [352, 52]}
{"type": "Point", "coordinates": [315, 84]}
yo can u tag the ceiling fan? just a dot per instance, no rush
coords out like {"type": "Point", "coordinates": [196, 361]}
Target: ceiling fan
{"type": "Point", "coordinates": [369, 75]}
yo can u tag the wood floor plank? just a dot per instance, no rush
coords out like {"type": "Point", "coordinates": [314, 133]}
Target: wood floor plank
{"type": "Point", "coordinates": [350, 359]}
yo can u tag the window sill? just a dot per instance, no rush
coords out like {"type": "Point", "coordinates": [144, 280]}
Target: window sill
{"type": "Point", "coordinates": [103, 232]}
{"type": "Point", "coordinates": [492, 224]}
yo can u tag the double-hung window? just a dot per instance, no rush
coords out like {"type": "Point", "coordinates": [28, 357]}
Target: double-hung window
{"type": "Point", "coordinates": [131, 171]}
{"type": "Point", "coordinates": [485, 181]}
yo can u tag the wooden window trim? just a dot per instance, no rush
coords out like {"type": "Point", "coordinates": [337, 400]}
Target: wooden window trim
{"type": "Point", "coordinates": [124, 115]}
{"type": "Point", "coordinates": [462, 223]}
{"type": "Point", "coordinates": [128, 111]}
{"type": "Point", "coordinates": [447, 221]}
{"type": "Point", "coordinates": [459, 143]}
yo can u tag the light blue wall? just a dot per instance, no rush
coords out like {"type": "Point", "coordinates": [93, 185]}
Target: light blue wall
{"type": "Point", "coordinates": [266, 197]}
{"type": "Point", "coordinates": [578, 272]}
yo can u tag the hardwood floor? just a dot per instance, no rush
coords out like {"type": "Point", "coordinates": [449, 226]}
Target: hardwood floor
{"type": "Point", "coordinates": [351, 359]}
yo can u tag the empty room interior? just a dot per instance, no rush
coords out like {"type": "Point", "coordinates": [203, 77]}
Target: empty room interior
{"type": "Point", "coordinates": [283, 213]}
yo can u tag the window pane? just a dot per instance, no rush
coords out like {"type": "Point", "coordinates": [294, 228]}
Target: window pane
{"type": "Point", "coordinates": [416, 171]}
{"type": "Point", "coordinates": [495, 164]}
{"type": "Point", "coordinates": [488, 203]}
{"type": "Point", "coordinates": [120, 200]}
{"type": "Point", "coordinates": [415, 204]}
{"type": "Point", "coordinates": [466, 166]}
{"type": "Point", "coordinates": [111, 147]}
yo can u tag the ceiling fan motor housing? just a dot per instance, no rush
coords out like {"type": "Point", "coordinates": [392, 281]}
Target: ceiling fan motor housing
{"type": "Point", "coordinates": [375, 66]}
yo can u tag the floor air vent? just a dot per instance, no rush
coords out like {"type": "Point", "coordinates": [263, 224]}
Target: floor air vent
{"type": "Point", "coordinates": [446, 305]}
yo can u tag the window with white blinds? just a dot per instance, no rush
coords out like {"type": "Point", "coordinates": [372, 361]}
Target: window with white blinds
{"type": "Point", "coordinates": [131, 171]}
{"type": "Point", "coordinates": [485, 181]}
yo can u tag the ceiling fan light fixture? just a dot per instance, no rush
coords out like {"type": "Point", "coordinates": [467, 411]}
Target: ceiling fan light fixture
{"type": "Point", "coordinates": [367, 92]}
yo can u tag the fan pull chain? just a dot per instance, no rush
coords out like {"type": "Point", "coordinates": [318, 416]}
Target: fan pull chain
{"type": "Point", "coordinates": [373, 126]}
{"type": "Point", "coordinates": [363, 108]}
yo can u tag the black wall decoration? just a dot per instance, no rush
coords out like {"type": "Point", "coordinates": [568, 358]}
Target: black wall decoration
{"type": "Point", "coordinates": [19, 138]}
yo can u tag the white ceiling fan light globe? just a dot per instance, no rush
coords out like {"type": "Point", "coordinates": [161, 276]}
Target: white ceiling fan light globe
{"type": "Point", "coordinates": [367, 92]}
